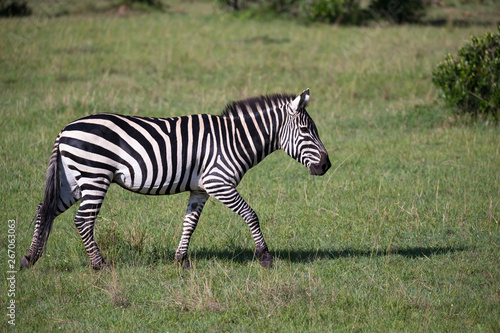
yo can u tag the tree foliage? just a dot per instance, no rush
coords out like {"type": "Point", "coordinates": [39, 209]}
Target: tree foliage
{"type": "Point", "coordinates": [332, 11]}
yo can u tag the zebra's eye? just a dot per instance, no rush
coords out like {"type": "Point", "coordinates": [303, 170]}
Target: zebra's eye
{"type": "Point", "coordinates": [304, 130]}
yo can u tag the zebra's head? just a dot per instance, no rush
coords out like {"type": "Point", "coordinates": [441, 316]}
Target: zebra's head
{"type": "Point", "coordinates": [300, 138]}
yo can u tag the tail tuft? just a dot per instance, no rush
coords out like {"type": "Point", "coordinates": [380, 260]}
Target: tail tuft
{"type": "Point", "coordinates": [46, 212]}
{"type": "Point", "coordinates": [25, 263]}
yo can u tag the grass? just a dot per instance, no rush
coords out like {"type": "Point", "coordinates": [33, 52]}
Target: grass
{"type": "Point", "coordinates": [400, 235]}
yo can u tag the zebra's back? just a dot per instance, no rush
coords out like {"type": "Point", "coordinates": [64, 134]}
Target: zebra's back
{"type": "Point", "coordinates": [142, 154]}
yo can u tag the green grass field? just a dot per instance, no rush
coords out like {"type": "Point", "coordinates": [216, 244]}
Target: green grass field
{"type": "Point", "coordinates": [401, 234]}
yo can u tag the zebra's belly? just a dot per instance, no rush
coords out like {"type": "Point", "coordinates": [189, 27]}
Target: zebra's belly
{"type": "Point", "coordinates": [159, 185]}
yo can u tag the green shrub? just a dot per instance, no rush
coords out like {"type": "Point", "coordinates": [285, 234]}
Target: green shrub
{"type": "Point", "coordinates": [329, 11]}
{"type": "Point", "coordinates": [472, 82]}
{"type": "Point", "coordinates": [399, 11]}
{"type": "Point", "coordinates": [333, 11]}
{"type": "Point", "coordinates": [14, 8]}
{"type": "Point", "coordinates": [158, 4]}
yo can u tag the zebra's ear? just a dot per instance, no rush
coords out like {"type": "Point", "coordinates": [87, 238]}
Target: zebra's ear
{"type": "Point", "coordinates": [300, 102]}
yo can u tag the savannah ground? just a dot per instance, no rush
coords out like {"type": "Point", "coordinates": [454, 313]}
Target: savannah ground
{"type": "Point", "coordinates": [401, 234]}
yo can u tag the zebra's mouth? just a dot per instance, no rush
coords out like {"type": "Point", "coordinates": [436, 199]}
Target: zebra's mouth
{"type": "Point", "coordinates": [322, 167]}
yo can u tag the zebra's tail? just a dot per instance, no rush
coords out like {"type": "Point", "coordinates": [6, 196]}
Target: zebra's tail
{"type": "Point", "coordinates": [46, 211]}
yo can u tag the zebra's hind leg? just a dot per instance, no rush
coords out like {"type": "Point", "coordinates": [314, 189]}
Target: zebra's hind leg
{"type": "Point", "coordinates": [197, 201]}
{"type": "Point", "coordinates": [84, 221]}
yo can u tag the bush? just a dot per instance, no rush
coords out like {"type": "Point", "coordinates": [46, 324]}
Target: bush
{"type": "Point", "coordinates": [472, 82]}
{"type": "Point", "coordinates": [151, 3]}
{"type": "Point", "coordinates": [329, 11]}
{"type": "Point", "coordinates": [399, 11]}
{"type": "Point", "coordinates": [14, 8]}
{"type": "Point", "coordinates": [333, 11]}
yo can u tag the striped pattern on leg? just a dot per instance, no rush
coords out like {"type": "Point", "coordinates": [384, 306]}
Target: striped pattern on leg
{"type": "Point", "coordinates": [84, 222]}
{"type": "Point", "coordinates": [197, 201]}
{"type": "Point", "coordinates": [230, 197]}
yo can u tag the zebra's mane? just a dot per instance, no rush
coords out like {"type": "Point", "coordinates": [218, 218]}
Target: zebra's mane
{"type": "Point", "coordinates": [249, 105]}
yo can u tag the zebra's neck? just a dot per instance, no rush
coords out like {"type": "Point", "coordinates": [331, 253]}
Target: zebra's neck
{"type": "Point", "coordinates": [257, 133]}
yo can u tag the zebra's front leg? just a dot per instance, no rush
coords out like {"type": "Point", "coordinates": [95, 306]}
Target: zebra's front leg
{"type": "Point", "coordinates": [230, 197]}
{"type": "Point", "coordinates": [197, 201]}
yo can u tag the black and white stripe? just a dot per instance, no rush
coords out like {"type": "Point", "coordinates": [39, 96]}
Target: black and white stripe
{"type": "Point", "coordinates": [204, 154]}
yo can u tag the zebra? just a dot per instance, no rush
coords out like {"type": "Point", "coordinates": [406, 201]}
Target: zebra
{"type": "Point", "coordinates": [204, 154]}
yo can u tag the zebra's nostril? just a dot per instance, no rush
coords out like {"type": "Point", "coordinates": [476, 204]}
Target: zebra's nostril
{"type": "Point", "coordinates": [326, 163]}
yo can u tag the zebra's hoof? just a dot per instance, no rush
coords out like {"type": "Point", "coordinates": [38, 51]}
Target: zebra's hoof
{"type": "Point", "coordinates": [266, 260]}
{"type": "Point", "coordinates": [100, 266]}
{"type": "Point", "coordinates": [184, 263]}
{"type": "Point", "coordinates": [181, 260]}
{"type": "Point", "coordinates": [25, 263]}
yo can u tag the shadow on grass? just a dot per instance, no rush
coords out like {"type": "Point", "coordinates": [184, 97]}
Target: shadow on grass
{"type": "Point", "coordinates": [305, 256]}
{"type": "Point", "coordinates": [239, 255]}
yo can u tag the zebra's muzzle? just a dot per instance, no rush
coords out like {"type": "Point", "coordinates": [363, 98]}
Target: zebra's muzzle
{"type": "Point", "coordinates": [322, 167]}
